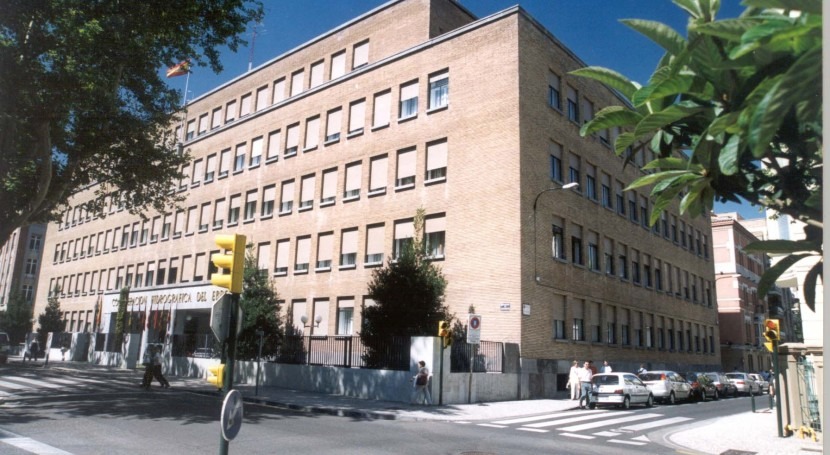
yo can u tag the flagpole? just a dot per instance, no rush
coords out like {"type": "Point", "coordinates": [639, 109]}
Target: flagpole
{"type": "Point", "coordinates": [184, 104]}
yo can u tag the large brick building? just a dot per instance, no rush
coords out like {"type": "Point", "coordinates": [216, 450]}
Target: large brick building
{"type": "Point", "coordinates": [322, 156]}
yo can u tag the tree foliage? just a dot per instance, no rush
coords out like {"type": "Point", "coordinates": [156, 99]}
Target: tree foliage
{"type": "Point", "coordinates": [260, 307]}
{"type": "Point", "coordinates": [409, 297]}
{"type": "Point", "coordinates": [51, 319]}
{"type": "Point", "coordinates": [16, 320]}
{"type": "Point", "coordinates": [733, 112]}
{"type": "Point", "coordinates": [82, 101]}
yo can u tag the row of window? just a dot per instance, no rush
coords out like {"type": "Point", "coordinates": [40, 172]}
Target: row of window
{"type": "Point", "coordinates": [600, 253]}
{"type": "Point", "coordinates": [228, 212]}
{"type": "Point", "coordinates": [198, 267]}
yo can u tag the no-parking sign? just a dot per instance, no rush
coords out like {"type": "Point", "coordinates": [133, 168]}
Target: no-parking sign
{"type": "Point", "coordinates": [473, 328]}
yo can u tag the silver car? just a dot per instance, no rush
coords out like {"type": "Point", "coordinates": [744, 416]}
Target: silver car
{"type": "Point", "coordinates": [744, 383]}
{"type": "Point", "coordinates": [667, 386]}
{"type": "Point", "coordinates": [619, 389]}
{"type": "Point", "coordinates": [762, 383]}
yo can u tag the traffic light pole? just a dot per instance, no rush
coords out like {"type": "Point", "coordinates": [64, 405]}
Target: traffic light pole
{"type": "Point", "coordinates": [231, 354]}
{"type": "Point", "coordinates": [777, 370]}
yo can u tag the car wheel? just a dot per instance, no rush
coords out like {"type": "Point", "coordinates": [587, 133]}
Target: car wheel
{"type": "Point", "coordinates": [650, 401]}
{"type": "Point", "coordinates": [626, 403]}
{"type": "Point", "coordinates": [716, 397]}
{"type": "Point", "coordinates": [672, 399]}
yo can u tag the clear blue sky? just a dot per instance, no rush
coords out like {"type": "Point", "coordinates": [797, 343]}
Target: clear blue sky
{"type": "Point", "coordinates": [590, 28]}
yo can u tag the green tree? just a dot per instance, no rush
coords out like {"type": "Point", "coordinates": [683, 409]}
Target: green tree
{"type": "Point", "coordinates": [51, 319]}
{"type": "Point", "coordinates": [82, 100]}
{"type": "Point", "coordinates": [16, 320]}
{"type": "Point", "coordinates": [409, 298]}
{"type": "Point", "coordinates": [260, 308]}
{"type": "Point", "coordinates": [733, 112]}
{"type": "Point", "coordinates": [121, 325]}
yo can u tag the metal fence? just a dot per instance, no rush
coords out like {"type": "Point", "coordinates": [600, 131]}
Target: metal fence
{"type": "Point", "coordinates": [485, 357]}
{"type": "Point", "coordinates": [807, 394]}
{"type": "Point", "coordinates": [341, 351]}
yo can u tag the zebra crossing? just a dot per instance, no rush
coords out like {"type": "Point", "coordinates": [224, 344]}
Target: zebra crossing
{"type": "Point", "coordinates": [27, 383]}
{"type": "Point", "coordinates": [617, 427]}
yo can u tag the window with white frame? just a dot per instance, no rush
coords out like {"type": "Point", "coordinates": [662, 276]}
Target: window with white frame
{"type": "Point", "coordinates": [269, 194]}
{"type": "Point", "coordinates": [329, 190]}
{"type": "Point", "coordinates": [297, 81]}
{"type": "Point", "coordinates": [436, 161]}
{"type": "Point", "coordinates": [338, 65]}
{"type": "Point", "coordinates": [377, 178]}
{"type": "Point", "coordinates": [165, 230]}
{"type": "Point", "coordinates": [574, 169]}
{"type": "Point", "coordinates": [593, 251]}
{"type": "Point", "coordinates": [374, 244]}
{"type": "Point", "coordinates": [382, 108]}
{"type": "Point", "coordinates": [31, 267]}
{"type": "Point", "coordinates": [357, 117]}
{"type": "Point", "coordinates": [245, 107]}
{"type": "Point", "coordinates": [577, 255]}
{"type": "Point", "coordinates": [608, 254]}
{"type": "Point", "coordinates": [210, 168]}
{"type": "Point", "coordinates": [348, 248]}
{"type": "Point", "coordinates": [360, 55]}
{"type": "Point", "coordinates": [224, 163]}
{"type": "Point", "coordinates": [233, 209]}
{"type": "Point", "coordinates": [406, 169]}
{"type": "Point", "coordinates": [345, 316]}
{"type": "Point", "coordinates": [312, 133]}
{"type": "Point", "coordinates": [281, 264]}
{"type": "Point", "coordinates": [287, 197]}
{"type": "Point", "coordinates": [263, 256]}
{"type": "Point", "coordinates": [230, 111]}
{"type": "Point", "coordinates": [279, 90]}
{"type": "Point", "coordinates": [250, 205]}
{"type": "Point", "coordinates": [325, 244]}
{"type": "Point", "coordinates": [261, 98]}
{"type": "Point", "coordinates": [256, 152]}
{"type": "Point", "coordinates": [317, 72]}
{"type": "Point", "coordinates": [409, 100]}
{"type": "Point", "coordinates": [239, 158]}
{"type": "Point", "coordinates": [435, 233]}
{"type": "Point", "coordinates": [191, 130]}
{"type": "Point", "coordinates": [219, 213]}
{"type": "Point", "coordinates": [177, 229]}
{"type": "Point", "coordinates": [404, 230]}
{"type": "Point", "coordinates": [274, 146]}
{"type": "Point", "coordinates": [558, 239]}
{"type": "Point", "coordinates": [216, 118]}
{"type": "Point", "coordinates": [354, 176]}
{"type": "Point", "coordinates": [303, 255]}
{"type": "Point", "coordinates": [333, 125]}
{"type": "Point", "coordinates": [203, 124]}
{"type": "Point", "coordinates": [204, 217]}
{"type": "Point", "coordinates": [307, 188]}
{"type": "Point", "coordinates": [439, 90]}
{"type": "Point", "coordinates": [292, 140]}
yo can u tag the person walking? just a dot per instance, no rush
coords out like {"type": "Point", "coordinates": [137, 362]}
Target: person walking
{"type": "Point", "coordinates": [592, 367]}
{"type": "Point", "coordinates": [147, 361]}
{"type": "Point", "coordinates": [606, 368]}
{"type": "Point", "coordinates": [642, 369]}
{"type": "Point", "coordinates": [573, 380]}
{"type": "Point", "coordinates": [585, 376]}
{"type": "Point", "coordinates": [157, 368]}
{"type": "Point", "coordinates": [422, 394]}
{"type": "Point", "coordinates": [33, 351]}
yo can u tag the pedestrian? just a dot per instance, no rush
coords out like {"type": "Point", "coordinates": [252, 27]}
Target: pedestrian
{"type": "Point", "coordinates": [64, 348]}
{"type": "Point", "coordinates": [592, 367]}
{"type": "Point", "coordinates": [642, 369]}
{"type": "Point", "coordinates": [573, 380]}
{"type": "Point", "coordinates": [147, 361]}
{"type": "Point", "coordinates": [606, 368]}
{"type": "Point", "coordinates": [157, 368]}
{"type": "Point", "coordinates": [33, 351]}
{"type": "Point", "coordinates": [585, 376]}
{"type": "Point", "coordinates": [422, 394]}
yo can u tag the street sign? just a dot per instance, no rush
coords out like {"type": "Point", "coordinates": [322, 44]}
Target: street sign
{"type": "Point", "coordinates": [473, 328]}
{"type": "Point", "coordinates": [231, 415]}
{"type": "Point", "coordinates": [219, 317]}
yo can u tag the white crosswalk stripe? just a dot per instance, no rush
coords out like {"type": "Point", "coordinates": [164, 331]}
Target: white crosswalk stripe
{"type": "Point", "coordinates": [605, 423]}
{"type": "Point", "coordinates": [11, 385]}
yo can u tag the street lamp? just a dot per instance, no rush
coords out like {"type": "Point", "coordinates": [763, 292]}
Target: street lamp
{"type": "Point", "coordinates": [566, 186]}
{"type": "Point", "coordinates": [317, 321]}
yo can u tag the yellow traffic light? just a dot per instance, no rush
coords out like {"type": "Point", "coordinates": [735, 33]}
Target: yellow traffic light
{"type": "Point", "coordinates": [769, 346]}
{"type": "Point", "coordinates": [233, 262]}
{"type": "Point", "coordinates": [442, 327]}
{"type": "Point", "coordinates": [216, 375]}
{"type": "Point", "coordinates": [445, 333]}
{"type": "Point", "coordinates": [772, 331]}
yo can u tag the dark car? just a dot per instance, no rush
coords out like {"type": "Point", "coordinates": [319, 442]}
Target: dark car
{"type": "Point", "coordinates": [702, 386]}
{"type": "Point", "coordinates": [723, 385]}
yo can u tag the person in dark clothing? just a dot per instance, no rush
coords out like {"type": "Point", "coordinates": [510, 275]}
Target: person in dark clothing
{"type": "Point", "coordinates": [157, 368]}
{"type": "Point", "coordinates": [147, 361]}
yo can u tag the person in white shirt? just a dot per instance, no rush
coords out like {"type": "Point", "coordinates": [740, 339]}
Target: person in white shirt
{"type": "Point", "coordinates": [606, 368]}
{"type": "Point", "coordinates": [573, 380]}
{"type": "Point", "coordinates": [585, 375]}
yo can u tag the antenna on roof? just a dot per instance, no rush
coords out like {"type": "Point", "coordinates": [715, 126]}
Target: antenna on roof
{"type": "Point", "coordinates": [253, 42]}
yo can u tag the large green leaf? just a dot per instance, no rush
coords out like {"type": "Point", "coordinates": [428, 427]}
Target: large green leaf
{"type": "Point", "coordinates": [670, 163]}
{"type": "Point", "coordinates": [653, 122]}
{"type": "Point", "coordinates": [609, 117]}
{"type": "Point", "coordinates": [665, 36]}
{"type": "Point", "coordinates": [651, 179]}
{"type": "Point", "coordinates": [728, 29]}
{"type": "Point", "coordinates": [693, 7]}
{"type": "Point", "coordinates": [624, 140]}
{"type": "Point", "coordinates": [808, 6]}
{"type": "Point", "coordinates": [729, 158]}
{"type": "Point", "coordinates": [772, 274]}
{"type": "Point", "coordinates": [610, 78]}
{"type": "Point", "coordinates": [782, 246]}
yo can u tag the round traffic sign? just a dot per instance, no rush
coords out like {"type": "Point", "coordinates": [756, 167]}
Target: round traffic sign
{"type": "Point", "coordinates": [231, 415]}
{"type": "Point", "coordinates": [475, 322]}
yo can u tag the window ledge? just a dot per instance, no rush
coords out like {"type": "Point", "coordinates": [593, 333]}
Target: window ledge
{"type": "Point", "coordinates": [280, 273]}
{"type": "Point", "coordinates": [310, 149]}
{"type": "Point", "coordinates": [434, 181]}
{"type": "Point", "coordinates": [354, 134]}
{"type": "Point", "coordinates": [195, 184]}
{"type": "Point", "coordinates": [438, 109]}
{"type": "Point", "coordinates": [287, 212]}
{"type": "Point", "coordinates": [305, 209]}
{"type": "Point", "coordinates": [253, 166]}
{"type": "Point", "coordinates": [232, 224]}
{"type": "Point", "coordinates": [376, 192]}
{"type": "Point", "coordinates": [266, 217]}
{"type": "Point", "coordinates": [223, 176]}
{"type": "Point", "coordinates": [331, 142]}
{"type": "Point", "coordinates": [406, 119]}
{"type": "Point", "coordinates": [351, 198]}
{"type": "Point", "coordinates": [327, 203]}
{"type": "Point", "coordinates": [372, 264]}
{"type": "Point", "coordinates": [238, 171]}
{"type": "Point", "coordinates": [273, 159]}
{"type": "Point", "coordinates": [289, 155]}
{"type": "Point", "coordinates": [379, 127]}
{"type": "Point", "coordinates": [347, 267]}
{"type": "Point", "coordinates": [322, 269]}
{"type": "Point", "coordinates": [405, 187]}
{"type": "Point", "coordinates": [248, 221]}
{"type": "Point", "coordinates": [300, 272]}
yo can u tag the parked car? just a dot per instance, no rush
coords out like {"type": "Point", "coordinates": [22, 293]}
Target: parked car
{"type": "Point", "coordinates": [5, 347]}
{"type": "Point", "coordinates": [620, 389]}
{"type": "Point", "coordinates": [723, 385]}
{"type": "Point", "coordinates": [744, 383]}
{"type": "Point", "coordinates": [667, 386]}
{"type": "Point", "coordinates": [763, 384]}
{"type": "Point", "coordinates": [702, 386]}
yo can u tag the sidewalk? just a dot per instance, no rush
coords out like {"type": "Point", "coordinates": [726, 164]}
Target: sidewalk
{"type": "Point", "coordinates": [743, 433]}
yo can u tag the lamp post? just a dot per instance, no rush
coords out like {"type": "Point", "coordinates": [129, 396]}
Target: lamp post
{"type": "Point", "coordinates": [304, 320]}
{"type": "Point", "coordinates": [566, 186]}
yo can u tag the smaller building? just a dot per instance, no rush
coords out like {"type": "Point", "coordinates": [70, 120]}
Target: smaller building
{"type": "Point", "coordinates": [20, 259]}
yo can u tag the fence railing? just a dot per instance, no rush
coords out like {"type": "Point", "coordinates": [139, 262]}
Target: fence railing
{"type": "Point", "coordinates": [342, 351]}
{"type": "Point", "coordinates": [485, 357]}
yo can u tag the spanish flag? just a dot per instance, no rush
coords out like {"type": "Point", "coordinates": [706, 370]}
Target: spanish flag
{"type": "Point", "coordinates": [179, 70]}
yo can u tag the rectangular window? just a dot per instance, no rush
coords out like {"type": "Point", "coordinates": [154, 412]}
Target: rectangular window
{"type": "Point", "coordinates": [312, 133]}
{"type": "Point", "coordinates": [593, 251]}
{"type": "Point", "coordinates": [198, 168]}
{"type": "Point", "coordinates": [338, 65]}
{"type": "Point", "coordinates": [274, 146]}
{"type": "Point", "coordinates": [348, 248]}
{"type": "Point", "coordinates": [635, 266]}
{"type": "Point", "coordinates": [307, 188]}
{"type": "Point", "coordinates": [250, 205]}
{"type": "Point", "coordinates": [325, 243]}
{"type": "Point", "coordinates": [360, 55]}
{"type": "Point", "coordinates": [578, 329]}
{"type": "Point", "coordinates": [269, 194]}
{"type": "Point", "coordinates": [345, 316]}
{"type": "Point", "coordinates": [329, 193]}
{"type": "Point", "coordinates": [554, 96]}
{"type": "Point", "coordinates": [279, 90]}
{"type": "Point", "coordinates": [374, 245]}
{"type": "Point", "coordinates": [233, 210]}
{"type": "Point", "coordinates": [409, 100]}
{"type": "Point", "coordinates": [210, 168]}
{"type": "Point", "coordinates": [256, 152]}
{"type": "Point", "coordinates": [357, 117]}
{"type": "Point", "coordinates": [556, 162]}
{"type": "Point", "coordinates": [353, 179]}
{"type": "Point", "coordinates": [245, 107]}
{"type": "Point", "coordinates": [436, 161]}
{"type": "Point", "coordinates": [178, 227]}
{"type": "Point", "coordinates": [574, 175]}
{"type": "Point", "coordinates": [608, 252]}
{"type": "Point", "coordinates": [576, 246]}
{"type": "Point", "coordinates": [559, 329]}
{"type": "Point", "coordinates": [224, 163]}
{"type": "Point", "coordinates": [404, 230]}
{"type": "Point", "coordinates": [303, 255]}
{"type": "Point", "coordinates": [239, 160]}
{"type": "Point", "coordinates": [377, 178]}
{"type": "Point", "coordinates": [219, 213]}
{"type": "Point", "coordinates": [281, 265]}
{"type": "Point", "coordinates": [203, 124]}
{"type": "Point", "coordinates": [333, 125]}
{"type": "Point", "coordinates": [381, 109]}
{"type": "Point", "coordinates": [297, 81]}
{"type": "Point", "coordinates": [292, 140]}
{"type": "Point", "coordinates": [644, 211]}
{"type": "Point", "coordinates": [406, 169]}
{"type": "Point", "coordinates": [618, 189]}
{"type": "Point", "coordinates": [287, 198]}
{"type": "Point", "coordinates": [586, 110]}
{"type": "Point", "coordinates": [573, 106]}
{"type": "Point", "coordinates": [558, 241]}
{"type": "Point", "coordinates": [230, 111]}
{"type": "Point", "coordinates": [623, 261]}
{"type": "Point", "coordinates": [591, 182]}
{"type": "Point", "coordinates": [439, 90]}
{"type": "Point", "coordinates": [165, 228]}
{"type": "Point", "coordinates": [204, 217]}
{"type": "Point", "coordinates": [261, 98]}
{"type": "Point", "coordinates": [434, 229]}
{"type": "Point", "coordinates": [317, 74]}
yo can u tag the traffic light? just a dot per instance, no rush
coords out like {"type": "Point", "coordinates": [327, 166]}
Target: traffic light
{"type": "Point", "coordinates": [216, 375]}
{"type": "Point", "coordinates": [234, 262]}
{"type": "Point", "coordinates": [445, 333]}
{"type": "Point", "coordinates": [772, 331]}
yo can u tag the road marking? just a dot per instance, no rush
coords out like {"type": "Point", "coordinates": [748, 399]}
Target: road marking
{"type": "Point", "coordinates": [602, 423]}
{"type": "Point", "coordinates": [30, 445]}
{"type": "Point", "coordinates": [32, 382]}
{"type": "Point", "coordinates": [14, 385]}
{"type": "Point", "coordinates": [631, 443]}
{"type": "Point", "coordinates": [542, 417]}
{"type": "Point", "coordinates": [534, 430]}
{"type": "Point", "coordinates": [578, 436]}
{"type": "Point", "coordinates": [643, 438]}
{"type": "Point", "coordinates": [490, 425]}
{"type": "Point", "coordinates": [659, 423]}
{"type": "Point", "coordinates": [573, 419]}
{"type": "Point", "coordinates": [607, 434]}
